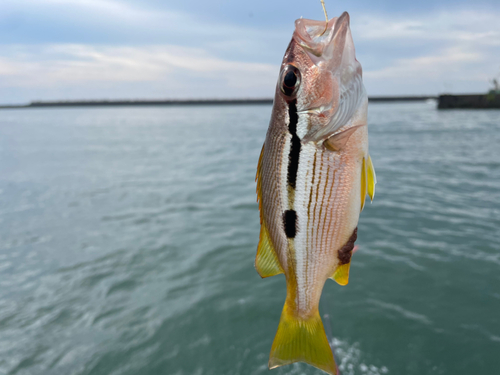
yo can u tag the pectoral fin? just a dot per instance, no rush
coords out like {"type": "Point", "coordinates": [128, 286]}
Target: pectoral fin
{"type": "Point", "coordinates": [338, 141]}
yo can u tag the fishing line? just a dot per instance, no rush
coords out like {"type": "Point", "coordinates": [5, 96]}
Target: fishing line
{"type": "Point", "coordinates": [326, 16]}
{"type": "Point", "coordinates": [327, 321]}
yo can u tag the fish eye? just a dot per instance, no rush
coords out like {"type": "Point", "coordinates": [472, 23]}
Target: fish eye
{"type": "Point", "coordinates": [290, 80]}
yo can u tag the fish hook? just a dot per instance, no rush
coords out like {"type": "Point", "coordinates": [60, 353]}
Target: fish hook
{"type": "Point", "coordinates": [326, 16]}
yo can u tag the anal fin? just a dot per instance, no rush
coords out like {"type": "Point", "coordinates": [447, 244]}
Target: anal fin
{"type": "Point", "coordinates": [341, 274]}
{"type": "Point", "coordinates": [338, 141]}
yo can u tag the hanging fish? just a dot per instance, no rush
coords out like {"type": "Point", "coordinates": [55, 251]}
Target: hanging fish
{"type": "Point", "coordinates": [313, 175]}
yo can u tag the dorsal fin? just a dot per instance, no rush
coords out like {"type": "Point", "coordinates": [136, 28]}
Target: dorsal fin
{"type": "Point", "coordinates": [266, 261]}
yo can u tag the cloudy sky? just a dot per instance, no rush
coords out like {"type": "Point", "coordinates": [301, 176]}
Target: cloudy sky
{"type": "Point", "coordinates": [148, 49]}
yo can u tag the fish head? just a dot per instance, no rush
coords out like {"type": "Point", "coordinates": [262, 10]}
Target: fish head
{"type": "Point", "coordinates": [320, 72]}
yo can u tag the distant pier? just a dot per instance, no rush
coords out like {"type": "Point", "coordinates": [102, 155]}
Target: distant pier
{"type": "Point", "coordinates": [481, 101]}
{"type": "Point", "coordinates": [127, 103]}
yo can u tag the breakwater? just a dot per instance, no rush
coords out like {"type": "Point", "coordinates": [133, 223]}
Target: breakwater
{"type": "Point", "coordinates": [482, 101]}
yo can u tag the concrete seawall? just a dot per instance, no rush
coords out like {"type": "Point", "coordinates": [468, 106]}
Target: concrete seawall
{"type": "Point", "coordinates": [469, 101]}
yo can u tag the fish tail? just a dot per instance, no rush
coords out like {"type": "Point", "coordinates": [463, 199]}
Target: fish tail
{"type": "Point", "coordinates": [301, 339]}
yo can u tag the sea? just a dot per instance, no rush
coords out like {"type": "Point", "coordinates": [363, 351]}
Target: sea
{"type": "Point", "coordinates": [128, 237]}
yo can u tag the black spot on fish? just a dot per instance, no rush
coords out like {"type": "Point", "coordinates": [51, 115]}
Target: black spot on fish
{"type": "Point", "coordinates": [290, 223]}
{"type": "Point", "coordinates": [345, 252]}
{"type": "Point", "coordinates": [293, 156]}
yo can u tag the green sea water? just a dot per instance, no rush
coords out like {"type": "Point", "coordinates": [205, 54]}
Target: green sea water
{"type": "Point", "coordinates": [128, 235]}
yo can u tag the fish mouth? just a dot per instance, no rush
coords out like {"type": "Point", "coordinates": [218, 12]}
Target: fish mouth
{"type": "Point", "coordinates": [319, 39]}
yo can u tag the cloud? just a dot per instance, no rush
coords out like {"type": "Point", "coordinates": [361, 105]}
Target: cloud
{"type": "Point", "coordinates": [79, 49]}
{"type": "Point", "coordinates": [106, 7]}
{"type": "Point", "coordinates": [432, 66]}
{"type": "Point", "coordinates": [450, 70]}
{"type": "Point", "coordinates": [111, 22]}
{"type": "Point", "coordinates": [448, 51]}
{"type": "Point", "coordinates": [167, 70]}
{"type": "Point", "coordinates": [456, 25]}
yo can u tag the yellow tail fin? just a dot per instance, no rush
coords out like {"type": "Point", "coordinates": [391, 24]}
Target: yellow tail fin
{"type": "Point", "coordinates": [301, 340]}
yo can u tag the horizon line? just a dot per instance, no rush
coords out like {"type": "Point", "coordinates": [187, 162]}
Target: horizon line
{"type": "Point", "coordinates": [166, 102]}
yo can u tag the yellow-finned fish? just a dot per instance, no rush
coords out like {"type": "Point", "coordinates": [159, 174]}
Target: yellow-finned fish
{"type": "Point", "coordinates": [313, 175]}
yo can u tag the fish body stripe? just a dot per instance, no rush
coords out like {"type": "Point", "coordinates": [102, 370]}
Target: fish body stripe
{"type": "Point", "coordinates": [294, 155]}
{"type": "Point", "coordinates": [290, 215]}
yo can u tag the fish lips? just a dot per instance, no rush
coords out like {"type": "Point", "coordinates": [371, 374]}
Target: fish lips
{"type": "Point", "coordinates": [323, 43]}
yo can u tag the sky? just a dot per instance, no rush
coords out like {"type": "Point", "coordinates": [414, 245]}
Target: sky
{"type": "Point", "coordinates": [157, 49]}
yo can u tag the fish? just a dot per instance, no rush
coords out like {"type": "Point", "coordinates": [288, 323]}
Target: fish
{"type": "Point", "coordinates": [313, 176]}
